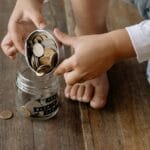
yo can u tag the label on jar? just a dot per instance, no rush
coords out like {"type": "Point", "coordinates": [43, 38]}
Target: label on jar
{"type": "Point", "coordinates": [48, 105]}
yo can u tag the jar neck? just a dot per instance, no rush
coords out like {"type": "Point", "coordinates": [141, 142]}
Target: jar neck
{"type": "Point", "coordinates": [35, 85]}
{"type": "Point", "coordinates": [26, 85]}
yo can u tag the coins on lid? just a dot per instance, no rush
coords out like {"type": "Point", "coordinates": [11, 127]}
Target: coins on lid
{"type": "Point", "coordinates": [47, 58]}
{"type": "Point", "coordinates": [41, 53]}
{"type": "Point", "coordinates": [25, 112]}
{"type": "Point", "coordinates": [43, 69]}
{"type": "Point", "coordinates": [39, 74]}
{"type": "Point", "coordinates": [6, 114]}
{"type": "Point", "coordinates": [49, 43]}
{"type": "Point", "coordinates": [38, 50]}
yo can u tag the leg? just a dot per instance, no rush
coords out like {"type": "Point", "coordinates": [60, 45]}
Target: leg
{"type": "Point", "coordinates": [90, 17]}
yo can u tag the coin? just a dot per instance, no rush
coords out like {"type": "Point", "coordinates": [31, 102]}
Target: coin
{"type": "Point", "coordinates": [39, 74]}
{"type": "Point", "coordinates": [25, 112]}
{"type": "Point", "coordinates": [31, 104]}
{"type": "Point", "coordinates": [42, 53]}
{"type": "Point", "coordinates": [48, 56]}
{"type": "Point", "coordinates": [48, 43]}
{"type": "Point", "coordinates": [44, 69]}
{"type": "Point", "coordinates": [43, 36]}
{"type": "Point", "coordinates": [6, 114]}
{"type": "Point", "coordinates": [44, 61]}
{"type": "Point", "coordinates": [38, 39]}
{"type": "Point", "coordinates": [38, 50]}
{"type": "Point", "coordinates": [48, 52]}
{"type": "Point", "coordinates": [34, 62]}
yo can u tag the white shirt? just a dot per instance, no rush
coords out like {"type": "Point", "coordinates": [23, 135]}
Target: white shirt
{"type": "Point", "coordinates": [140, 38]}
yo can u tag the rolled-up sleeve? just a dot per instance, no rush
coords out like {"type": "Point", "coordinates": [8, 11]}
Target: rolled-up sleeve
{"type": "Point", "coordinates": [140, 38]}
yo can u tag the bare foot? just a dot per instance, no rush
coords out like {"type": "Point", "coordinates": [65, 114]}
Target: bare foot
{"type": "Point", "coordinates": [93, 91]}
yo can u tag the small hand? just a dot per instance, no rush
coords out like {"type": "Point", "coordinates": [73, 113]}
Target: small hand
{"type": "Point", "coordinates": [25, 18]}
{"type": "Point", "coordinates": [93, 55]}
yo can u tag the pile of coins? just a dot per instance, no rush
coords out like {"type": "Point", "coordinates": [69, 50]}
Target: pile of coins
{"type": "Point", "coordinates": [41, 53]}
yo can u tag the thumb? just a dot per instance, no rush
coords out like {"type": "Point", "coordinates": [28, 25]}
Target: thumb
{"type": "Point", "coordinates": [66, 66]}
{"type": "Point", "coordinates": [38, 20]}
{"type": "Point", "coordinates": [64, 38]}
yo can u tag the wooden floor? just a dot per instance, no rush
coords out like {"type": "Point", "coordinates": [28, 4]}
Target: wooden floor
{"type": "Point", "coordinates": [124, 124]}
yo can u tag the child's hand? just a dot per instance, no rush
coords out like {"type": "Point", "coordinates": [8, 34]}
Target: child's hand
{"type": "Point", "coordinates": [25, 18]}
{"type": "Point", "coordinates": [93, 54]}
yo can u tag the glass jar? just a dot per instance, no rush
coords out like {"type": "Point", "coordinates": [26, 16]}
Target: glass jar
{"type": "Point", "coordinates": [37, 97]}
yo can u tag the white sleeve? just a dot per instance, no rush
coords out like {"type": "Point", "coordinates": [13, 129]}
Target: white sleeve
{"type": "Point", "coordinates": [140, 38]}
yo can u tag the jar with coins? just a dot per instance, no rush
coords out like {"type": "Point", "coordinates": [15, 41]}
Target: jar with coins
{"type": "Point", "coordinates": [37, 88]}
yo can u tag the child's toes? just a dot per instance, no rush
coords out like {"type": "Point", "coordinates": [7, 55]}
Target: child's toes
{"type": "Point", "coordinates": [73, 92]}
{"type": "Point", "coordinates": [97, 103]}
{"type": "Point", "coordinates": [99, 100]}
{"type": "Point", "coordinates": [67, 91]}
{"type": "Point", "coordinates": [80, 92]}
{"type": "Point", "coordinates": [88, 93]}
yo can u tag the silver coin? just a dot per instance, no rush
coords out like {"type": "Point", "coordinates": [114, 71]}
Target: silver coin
{"type": "Point", "coordinates": [38, 50]}
{"type": "Point", "coordinates": [48, 43]}
{"type": "Point", "coordinates": [39, 74]}
{"type": "Point", "coordinates": [34, 62]}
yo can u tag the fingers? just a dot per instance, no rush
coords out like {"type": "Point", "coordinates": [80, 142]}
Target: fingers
{"type": "Point", "coordinates": [65, 66]}
{"type": "Point", "coordinates": [71, 74]}
{"type": "Point", "coordinates": [12, 52]}
{"type": "Point", "coordinates": [38, 20]}
{"type": "Point", "coordinates": [8, 47]}
{"type": "Point", "coordinates": [72, 77]}
{"type": "Point", "coordinates": [16, 37]}
{"type": "Point", "coordinates": [64, 38]}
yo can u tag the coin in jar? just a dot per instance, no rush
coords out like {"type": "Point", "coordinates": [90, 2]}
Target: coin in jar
{"type": "Point", "coordinates": [38, 50]}
{"type": "Point", "coordinates": [31, 104]}
{"type": "Point", "coordinates": [6, 114]}
{"type": "Point", "coordinates": [25, 112]}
